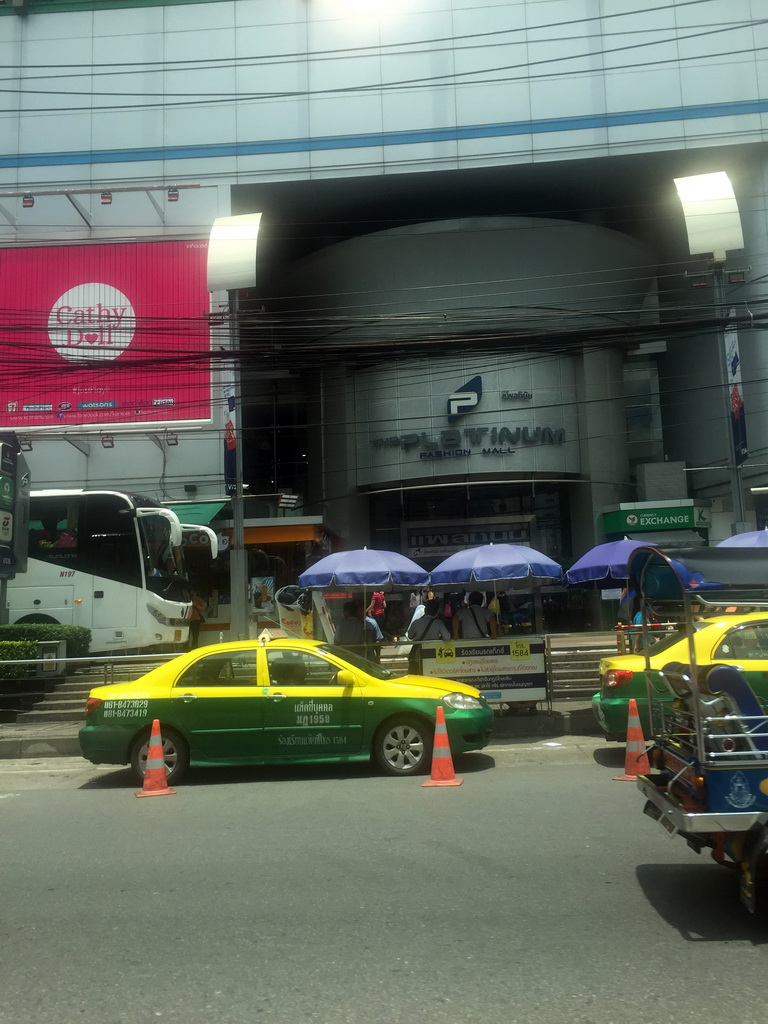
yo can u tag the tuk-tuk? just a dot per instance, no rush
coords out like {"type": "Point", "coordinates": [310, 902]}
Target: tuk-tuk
{"type": "Point", "coordinates": [708, 781]}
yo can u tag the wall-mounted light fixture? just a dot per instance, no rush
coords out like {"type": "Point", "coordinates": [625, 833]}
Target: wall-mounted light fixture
{"type": "Point", "coordinates": [27, 202]}
{"type": "Point", "coordinates": [107, 441]}
{"type": "Point", "coordinates": [173, 195]}
{"type": "Point", "coordinates": [106, 198]}
{"type": "Point", "coordinates": [25, 444]}
{"type": "Point", "coordinates": [711, 214]}
{"type": "Point", "coordinates": [171, 439]}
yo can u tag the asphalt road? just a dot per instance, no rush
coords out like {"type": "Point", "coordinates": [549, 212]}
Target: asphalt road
{"type": "Point", "coordinates": [535, 892]}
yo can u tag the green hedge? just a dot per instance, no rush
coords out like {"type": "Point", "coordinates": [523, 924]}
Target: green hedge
{"type": "Point", "coordinates": [78, 638]}
{"type": "Point", "coordinates": [16, 650]}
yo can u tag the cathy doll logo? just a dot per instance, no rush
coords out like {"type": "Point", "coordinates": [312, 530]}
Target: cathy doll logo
{"type": "Point", "coordinates": [91, 321]}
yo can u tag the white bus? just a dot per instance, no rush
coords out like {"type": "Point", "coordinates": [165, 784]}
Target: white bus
{"type": "Point", "coordinates": [110, 561]}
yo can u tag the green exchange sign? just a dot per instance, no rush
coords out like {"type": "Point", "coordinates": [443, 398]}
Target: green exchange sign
{"type": "Point", "coordinates": [629, 520]}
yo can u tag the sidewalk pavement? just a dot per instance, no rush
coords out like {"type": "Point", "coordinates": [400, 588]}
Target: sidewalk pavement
{"type": "Point", "coordinates": [59, 739]}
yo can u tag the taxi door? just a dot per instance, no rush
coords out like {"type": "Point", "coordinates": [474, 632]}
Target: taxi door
{"type": "Point", "coordinates": [217, 704]}
{"type": "Point", "coordinates": [307, 713]}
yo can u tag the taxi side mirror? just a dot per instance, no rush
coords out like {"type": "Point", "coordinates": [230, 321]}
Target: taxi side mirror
{"type": "Point", "coordinates": [346, 678]}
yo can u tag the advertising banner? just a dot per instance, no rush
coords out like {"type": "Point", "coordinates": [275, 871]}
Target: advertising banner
{"type": "Point", "coordinates": [263, 593]}
{"type": "Point", "coordinates": [735, 399]}
{"type": "Point", "coordinates": [507, 669]}
{"type": "Point", "coordinates": [105, 334]}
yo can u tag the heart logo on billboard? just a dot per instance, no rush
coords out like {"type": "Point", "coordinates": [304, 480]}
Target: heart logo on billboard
{"type": "Point", "coordinates": [91, 321]}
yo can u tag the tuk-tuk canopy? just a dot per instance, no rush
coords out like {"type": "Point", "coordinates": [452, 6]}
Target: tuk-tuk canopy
{"type": "Point", "coordinates": [711, 575]}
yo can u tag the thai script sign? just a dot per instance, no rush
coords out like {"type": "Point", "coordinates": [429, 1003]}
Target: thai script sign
{"type": "Point", "coordinates": [507, 669]}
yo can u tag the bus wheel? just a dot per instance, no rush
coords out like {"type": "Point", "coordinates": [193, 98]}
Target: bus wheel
{"type": "Point", "coordinates": [175, 755]}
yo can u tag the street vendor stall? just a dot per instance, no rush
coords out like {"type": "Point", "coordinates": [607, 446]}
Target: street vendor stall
{"type": "Point", "coordinates": [362, 571]}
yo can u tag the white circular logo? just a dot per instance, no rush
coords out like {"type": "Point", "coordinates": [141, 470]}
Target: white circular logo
{"type": "Point", "coordinates": [91, 321]}
{"type": "Point", "coordinates": [632, 519]}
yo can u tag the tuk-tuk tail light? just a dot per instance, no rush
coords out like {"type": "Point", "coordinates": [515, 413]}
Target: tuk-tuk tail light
{"type": "Point", "coordinates": [617, 677]}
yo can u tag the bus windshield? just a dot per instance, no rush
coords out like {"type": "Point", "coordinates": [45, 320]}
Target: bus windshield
{"type": "Point", "coordinates": [164, 563]}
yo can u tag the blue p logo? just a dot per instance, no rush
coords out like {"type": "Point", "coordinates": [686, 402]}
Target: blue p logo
{"type": "Point", "coordinates": [464, 398]}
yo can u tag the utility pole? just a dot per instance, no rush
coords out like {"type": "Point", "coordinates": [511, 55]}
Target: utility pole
{"type": "Point", "coordinates": [232, 266]}
{"type": "Point", "coordinates": [713, 225]}
{"type": "Point", "coordinates": [238, 565]}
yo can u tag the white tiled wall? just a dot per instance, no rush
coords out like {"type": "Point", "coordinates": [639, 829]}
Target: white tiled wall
{"type": "Point", "coordinates": [240, 72]}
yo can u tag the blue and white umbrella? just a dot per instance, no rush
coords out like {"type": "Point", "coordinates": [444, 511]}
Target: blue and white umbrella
{"type": "Point", "coordinates": [753, 539]}
{"type": "Point", "coordinates": [494, 563]}
{"type": "Point", "coordinates": [604, 564]}
{"type": "Point", "coordinates": [364, 567]}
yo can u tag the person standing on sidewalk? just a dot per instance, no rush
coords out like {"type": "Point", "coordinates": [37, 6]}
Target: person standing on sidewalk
{"type": "Point", "coordinates": [197, 618]}
{"type": "Point", "coordinates": [474, 621]}
{"type": "Point", "coordinates": [427, 627]}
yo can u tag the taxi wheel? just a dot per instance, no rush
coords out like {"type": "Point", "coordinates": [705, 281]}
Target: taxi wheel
{"type": "Point", "coordinates": [175, 755]}
{"type": "Point", "coordinates": [403, 746]}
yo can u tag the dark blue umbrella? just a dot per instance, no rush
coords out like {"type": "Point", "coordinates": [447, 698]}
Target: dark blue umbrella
{"type": "Point", "coordinates": [605, 564]}
{"type": "Point", "coordinates": [495, 563]}
{"type": "Point", "coordinates": [364, 567]}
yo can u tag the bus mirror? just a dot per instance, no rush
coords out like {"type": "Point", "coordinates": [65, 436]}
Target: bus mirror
{"type": "Point", "coordinates": [164, 513]}
{"type": "Point", "coordinates": [212, 538]}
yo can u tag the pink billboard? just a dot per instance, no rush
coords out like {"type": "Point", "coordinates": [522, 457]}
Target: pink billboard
{"type": "Point", "coordinates": [104, 334]}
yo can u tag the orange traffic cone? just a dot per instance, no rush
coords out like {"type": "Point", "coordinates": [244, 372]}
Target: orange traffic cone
{"type": "Point", "coordinates": [636, 760]}
{"type": "Point", "coordinates": [442, 762]}
{"type": "Point", "coordinates": [155, 778]}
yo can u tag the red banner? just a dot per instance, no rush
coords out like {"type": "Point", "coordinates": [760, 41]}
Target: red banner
{"type": "Point", "coordinates": [104, 334]}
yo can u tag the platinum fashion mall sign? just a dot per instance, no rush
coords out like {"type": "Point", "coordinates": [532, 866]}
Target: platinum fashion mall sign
{"type": "Point", "coordinates": [514, 413]}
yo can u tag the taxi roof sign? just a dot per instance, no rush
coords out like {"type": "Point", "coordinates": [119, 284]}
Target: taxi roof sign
{"type": "Point", "coordinates": [271, 634]}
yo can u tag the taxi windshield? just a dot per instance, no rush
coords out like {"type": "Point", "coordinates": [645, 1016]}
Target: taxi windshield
{"type": "Point", "coordinates": [359, 662]}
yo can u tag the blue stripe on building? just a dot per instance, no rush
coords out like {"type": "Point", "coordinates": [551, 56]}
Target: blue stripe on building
{"type": "Point", "coordinates": [404, 138]}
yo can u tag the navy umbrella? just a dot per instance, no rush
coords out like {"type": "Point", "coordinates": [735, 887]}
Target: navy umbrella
{"type": "Point", "coordinates": [364, 567]}
{"type": "Point", "coordinates": [491, 563]}
{"type": "Point", "coordinates": [605, 564]}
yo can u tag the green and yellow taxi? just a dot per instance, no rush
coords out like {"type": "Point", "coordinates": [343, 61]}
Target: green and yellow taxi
{"type": "Point", "coordinates": [729, 639]}
{"type": "Point", "coordinates": [279, 701]}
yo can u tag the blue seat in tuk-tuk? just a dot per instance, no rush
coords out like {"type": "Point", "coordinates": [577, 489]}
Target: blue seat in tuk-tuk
{"type": "Point", "coordinates": [730, 681]}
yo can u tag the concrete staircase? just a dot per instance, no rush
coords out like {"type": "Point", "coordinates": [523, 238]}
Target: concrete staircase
{"type": "Point", "coordinates": [65, 703]}
{"type": "Point", "coordinates": [58, 699]}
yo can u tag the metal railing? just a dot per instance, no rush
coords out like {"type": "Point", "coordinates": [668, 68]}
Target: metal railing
{"type": "Point", "coordinates": [109, 665]}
